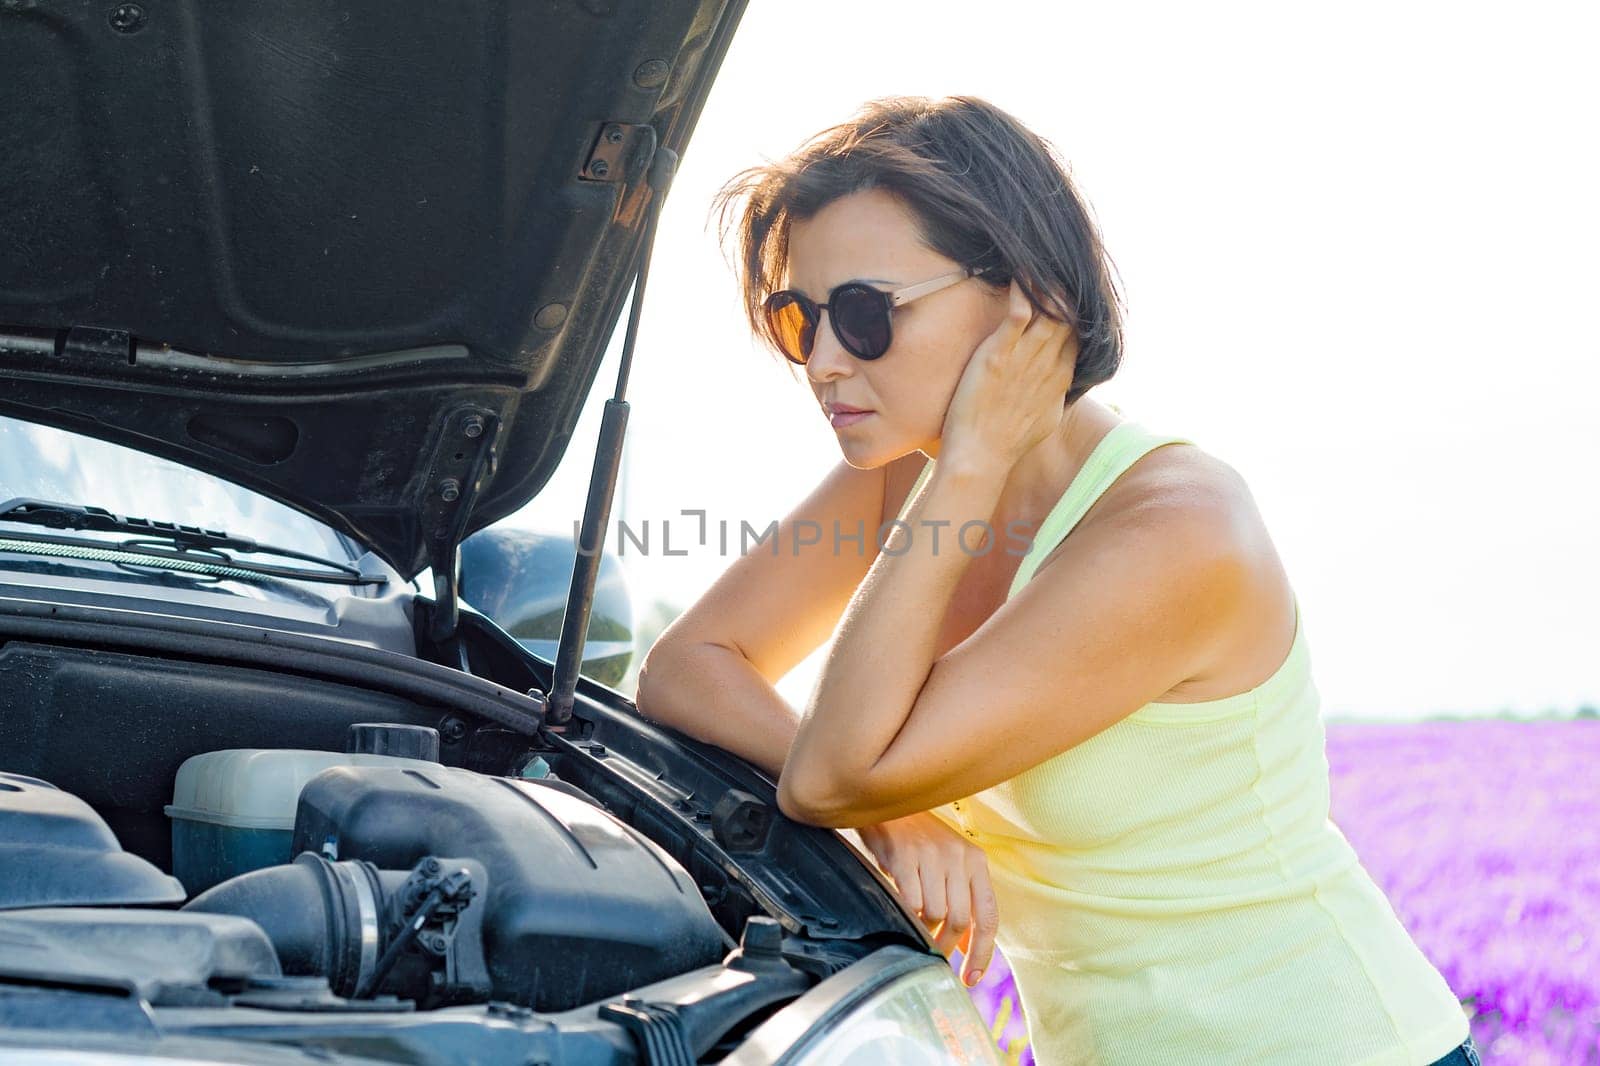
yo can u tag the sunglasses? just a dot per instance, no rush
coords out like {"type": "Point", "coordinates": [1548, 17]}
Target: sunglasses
{"type": "Point", "coordinates": [858, 312]}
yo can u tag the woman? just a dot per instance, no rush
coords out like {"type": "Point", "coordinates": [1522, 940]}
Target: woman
{"type": "Point", "coordinates": [1069, 690]}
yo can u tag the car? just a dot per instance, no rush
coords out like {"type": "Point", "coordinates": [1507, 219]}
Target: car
{"type": "Point", "coordinates": [301, 755]}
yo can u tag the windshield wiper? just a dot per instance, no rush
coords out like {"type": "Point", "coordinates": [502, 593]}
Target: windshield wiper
{"type": "Point", "coordinates": [169, 544]}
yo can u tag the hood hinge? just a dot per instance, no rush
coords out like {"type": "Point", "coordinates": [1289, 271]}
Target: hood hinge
{"type": "Point", "coordinates": [463, 462]}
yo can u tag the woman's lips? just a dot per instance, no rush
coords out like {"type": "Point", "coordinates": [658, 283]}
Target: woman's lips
{"type": "Point", "coordinates": [847, 418]}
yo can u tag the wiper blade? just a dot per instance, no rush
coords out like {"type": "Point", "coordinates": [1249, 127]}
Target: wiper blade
{"type": "Point", "coordinates": [172, 544]}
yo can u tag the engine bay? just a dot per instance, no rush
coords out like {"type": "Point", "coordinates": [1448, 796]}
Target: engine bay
{"type": "Point", "coordinates": [405, 869]}
{"type": "Point", "coordinates": [432, 884]}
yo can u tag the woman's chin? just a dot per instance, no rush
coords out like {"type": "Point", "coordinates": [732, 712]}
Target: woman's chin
{"type": "Point", "coordinates": [858, 460]}
{"type": "Point", "coordinates": [866, 455]}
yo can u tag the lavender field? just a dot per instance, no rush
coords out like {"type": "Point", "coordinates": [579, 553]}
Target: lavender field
{"type": "Point", "coordinates": [1485, 835]}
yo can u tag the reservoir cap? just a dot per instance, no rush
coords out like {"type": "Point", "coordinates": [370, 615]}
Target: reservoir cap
{"type": "Point", "coordinates": [385, 738]}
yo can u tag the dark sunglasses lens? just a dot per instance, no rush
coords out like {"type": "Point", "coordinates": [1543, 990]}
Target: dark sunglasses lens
{"type": "Point", "coordinates": [861, 318]}
{"type": "Point", "coordinates": [792, 327]}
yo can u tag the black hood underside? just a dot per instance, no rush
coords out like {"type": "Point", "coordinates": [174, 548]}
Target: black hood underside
{"type": "Point", "coordinates": [361, 256]}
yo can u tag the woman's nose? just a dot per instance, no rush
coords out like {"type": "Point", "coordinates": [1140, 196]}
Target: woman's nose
{"type": "Point", "coordinates": [828, 359]}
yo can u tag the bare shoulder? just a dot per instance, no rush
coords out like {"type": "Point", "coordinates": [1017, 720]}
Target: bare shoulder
{"type": "Point", "coordinates": [1205, 502]}
{"type": "Point", "coordinates": [1185, 485]}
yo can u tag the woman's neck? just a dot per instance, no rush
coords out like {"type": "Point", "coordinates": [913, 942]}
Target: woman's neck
{"type": "Point", "coordinates": [1039, 478]}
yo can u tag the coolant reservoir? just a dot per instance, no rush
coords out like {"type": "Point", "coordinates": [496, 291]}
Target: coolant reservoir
{"type": "Point", "coordinates": [233, 811]}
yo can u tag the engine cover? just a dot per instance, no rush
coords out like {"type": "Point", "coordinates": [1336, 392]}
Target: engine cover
{"type": "Point", "coordinates": [580, 905]}
{"type": "Point", "coordinates": [56, 851]}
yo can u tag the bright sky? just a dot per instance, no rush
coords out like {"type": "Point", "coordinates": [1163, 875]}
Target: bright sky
{"type": "Point", "coordinates": [1359, 244]}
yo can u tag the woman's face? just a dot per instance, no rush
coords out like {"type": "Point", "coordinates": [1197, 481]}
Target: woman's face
{"type": "Point", "coordinates": [871, 236]}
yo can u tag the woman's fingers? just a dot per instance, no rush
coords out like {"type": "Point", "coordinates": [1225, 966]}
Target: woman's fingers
{"type": "Point", "coordinates": [933, 896]}
{"type": "Point", "coordinates": [1047, 343]}
{"type": "Point", "coordinates": [958, 910]}
{"type": "Point", "coordinates": [1037, 335]}
{"type": "Point", "coordinates": [1019, 310]}
{"type": "Point", "coordinates": [1019, 320]}
{"type": "Point", "coordinates": [985, 924]}
{"type": "Point", "coordinates": [944, 880]}
{"type": "Point", "coordinates": [909, 884]}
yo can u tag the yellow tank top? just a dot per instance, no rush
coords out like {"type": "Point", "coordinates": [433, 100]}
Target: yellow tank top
{"type": "Point", "coordinates": [1172, 890]}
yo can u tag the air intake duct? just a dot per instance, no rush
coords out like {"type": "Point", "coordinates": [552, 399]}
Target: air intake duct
{"type": "Point", "coordinates": [413, 934]}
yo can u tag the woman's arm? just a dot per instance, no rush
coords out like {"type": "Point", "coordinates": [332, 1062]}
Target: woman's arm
{"type": "Point", "coordinates": [711, 675]}
{"type": "Point", "coordinates": [885, 647]}
{"type": "Point", "coordinates": [714, 694]}
{"type": "Point", "coordinates": [711, 672]}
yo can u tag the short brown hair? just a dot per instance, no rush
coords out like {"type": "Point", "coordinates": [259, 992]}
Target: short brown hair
{"type": "Point", "coordinates": [987, 192]}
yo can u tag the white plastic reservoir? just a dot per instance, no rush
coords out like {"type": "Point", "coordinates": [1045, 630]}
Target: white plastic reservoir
{"type": "Point", "coordinates": [233, 810]}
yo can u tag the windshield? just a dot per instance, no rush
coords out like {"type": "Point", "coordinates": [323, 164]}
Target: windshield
{"type": "Point", "coordinates": [41, 462]}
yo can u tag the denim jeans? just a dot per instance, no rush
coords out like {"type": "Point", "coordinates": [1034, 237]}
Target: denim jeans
{"type": "Point", "coordinates": [1465, 1055]}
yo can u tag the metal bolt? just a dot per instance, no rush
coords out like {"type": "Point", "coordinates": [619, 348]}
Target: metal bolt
{"type": "Point", "coordinates": [450, 490]}
{"type": "Point", "coordinates": [613, 135]}
{"type": "Point", "coordinates": [451, 730]}
{"type": "Point", "coordinates": [126, 18]}
{"type": "Point", "coordinates": [599, 168]}
{"type": "Point", "coordinates": [474, 427]}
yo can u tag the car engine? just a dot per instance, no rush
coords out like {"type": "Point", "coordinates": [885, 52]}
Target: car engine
{"type": "Point", "coordinates": [199, 854]}
{"type": "Point", "coordinates": [436, 885]}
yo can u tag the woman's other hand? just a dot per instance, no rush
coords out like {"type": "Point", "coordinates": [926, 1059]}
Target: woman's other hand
{"type": "Point", "coordinates": [944, 880]}
{"type": "Point", "coordinates": [1013, 391]}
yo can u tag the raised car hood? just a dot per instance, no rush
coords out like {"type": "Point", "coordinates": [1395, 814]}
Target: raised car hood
{"type": "Point", "coordinates": [362, 256]}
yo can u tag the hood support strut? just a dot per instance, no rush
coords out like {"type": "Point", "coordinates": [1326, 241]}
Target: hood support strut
{"type": "Point", "coordinates": [603, 477]}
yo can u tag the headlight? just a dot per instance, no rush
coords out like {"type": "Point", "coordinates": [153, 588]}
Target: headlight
{"type": "Point", "coordinates": [897, 1007]}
